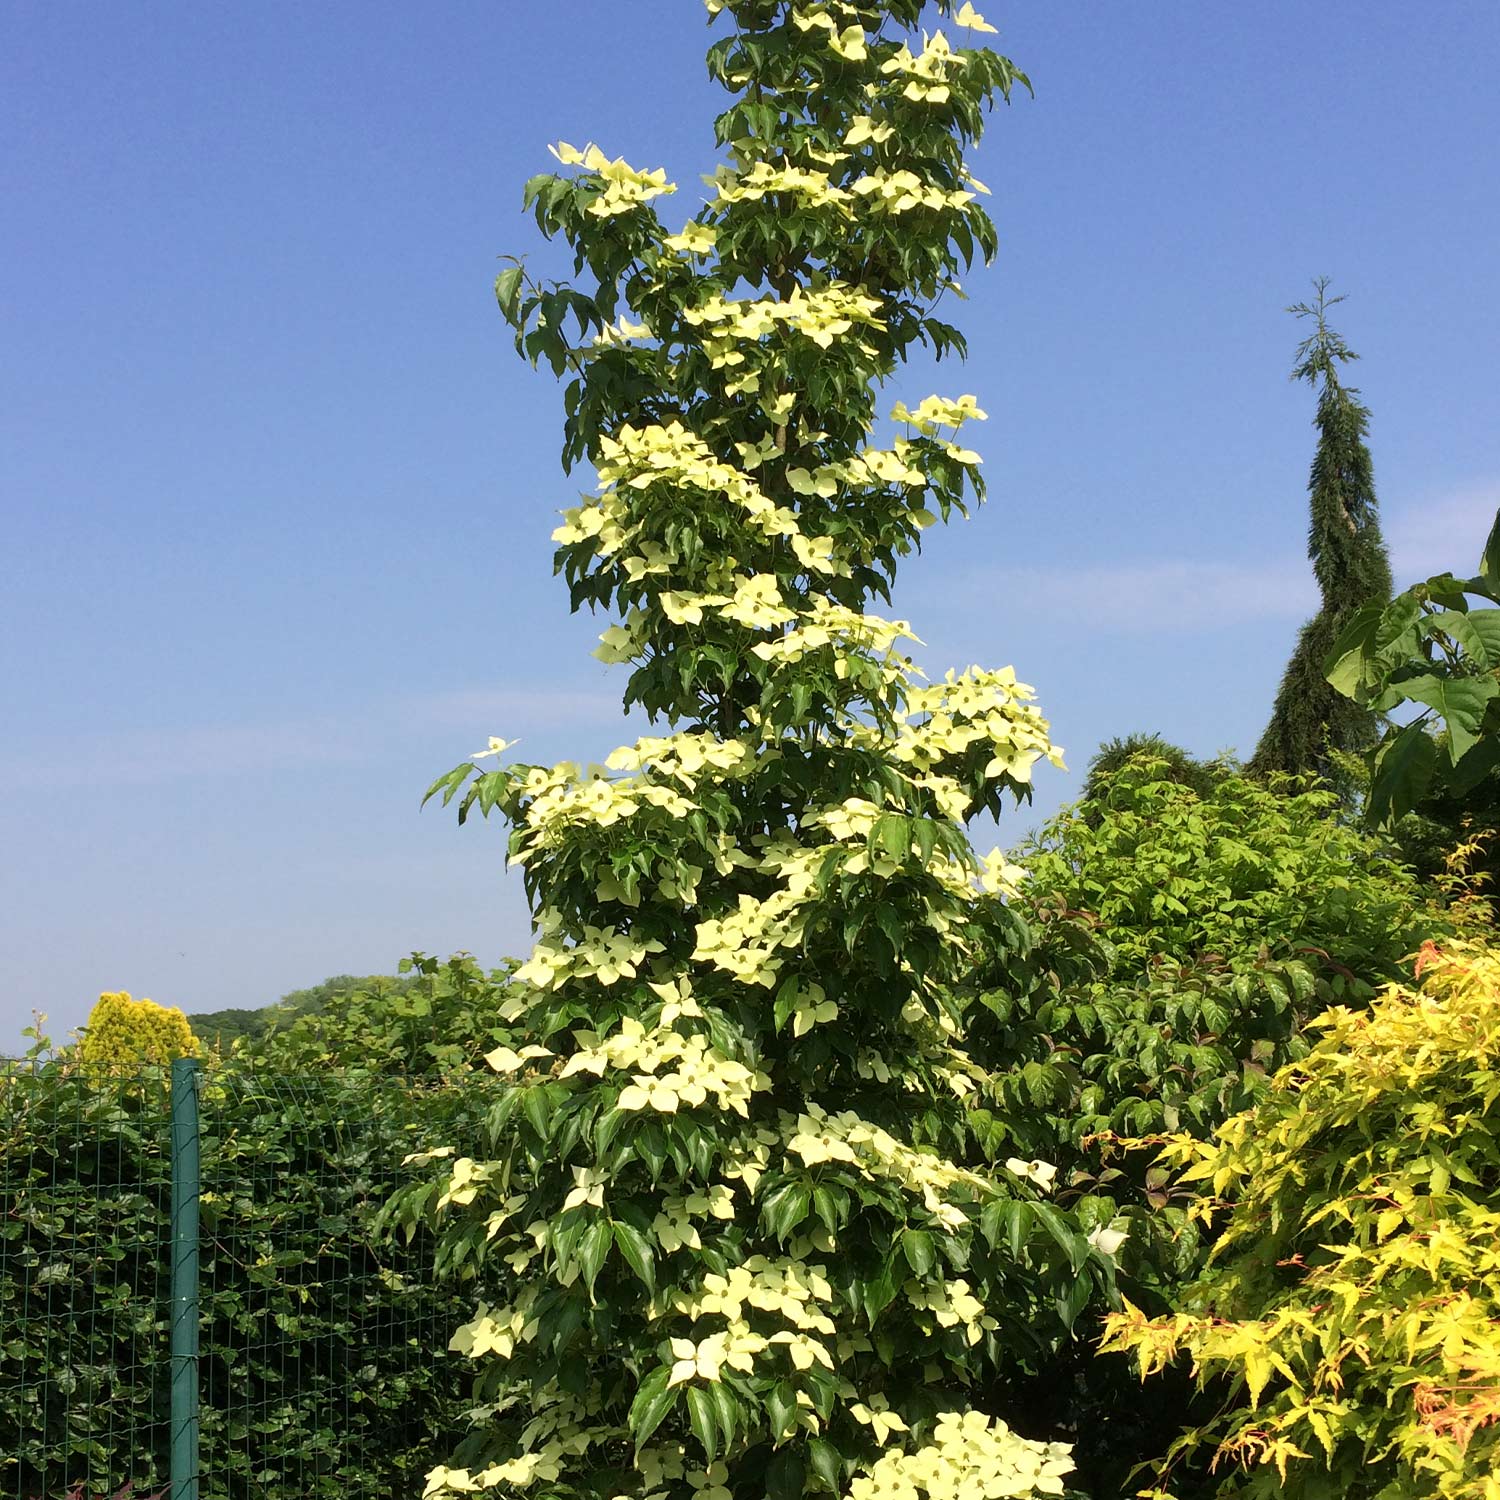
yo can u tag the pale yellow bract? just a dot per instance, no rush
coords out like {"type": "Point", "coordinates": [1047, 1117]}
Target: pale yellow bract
{"type": "Point", "coordinates": [901, 191]}
{"type": "Point", "coordinates": [927, 74]}
{"type": "Point", "coordinates": [967, 16]}
{"type": "Point", "coordinates": [693, 239]}
{"type": "Point", "coordinates": [625, 187]}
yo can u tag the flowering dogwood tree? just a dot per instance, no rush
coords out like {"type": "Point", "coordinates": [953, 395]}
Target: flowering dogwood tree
{"type": "Point", "coordinates": [727, 1235]}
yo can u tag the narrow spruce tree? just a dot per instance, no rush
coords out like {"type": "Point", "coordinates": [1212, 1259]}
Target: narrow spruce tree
{"type": "Point", "coordinates": [1311, 717]}
{"type": "Point", "coordinates": [726, 1234]}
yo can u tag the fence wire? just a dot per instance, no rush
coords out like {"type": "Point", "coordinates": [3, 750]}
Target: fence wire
{"type": "Point", "coordinates": [322, 1369]}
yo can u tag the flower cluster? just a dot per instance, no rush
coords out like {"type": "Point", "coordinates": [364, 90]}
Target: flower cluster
{"type": "Point", "coordinates": [625, 187]}
{"type": "Point", "coordinates": [747, 941]}
{"type": "Point", "coordinates": [927, 74]}
{"type": "Point", "coordinates": [970, 1454]}
{"type": "Point", "coordinates": [812, 188]}
{"type": "Point", "coordinates": [934, 412]}
{"type": "Point", "coordinates": [817, 1136]}
{"type": "Point", "coordinates": [600, 953]}
{"type": "Point", "coordinates": [695, 1069]}
{"type": "Point", "coordinates": [952, 1305]}
{"type": "Point", "coordinates": [901, 191]}
{"type": "Point", "coordinates": [820, 314]}
{"type": "Point", "coordinates": [846, 38]}
{"type": "Point", "coordinates": [976, 708]}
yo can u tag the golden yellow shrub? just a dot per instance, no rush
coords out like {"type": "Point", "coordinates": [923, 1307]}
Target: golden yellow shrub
{"type": "Point", "coordinates": [1353, 1301]}
{"type": "Point", "coordinates": [123, 1033]}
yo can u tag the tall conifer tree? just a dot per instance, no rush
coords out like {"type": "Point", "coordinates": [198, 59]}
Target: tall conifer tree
{"type": "Point", "coordinates": [1349, 560]}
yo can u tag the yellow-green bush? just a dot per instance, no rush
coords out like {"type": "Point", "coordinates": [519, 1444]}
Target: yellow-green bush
{"type": "Point", "coordinates": [1352, 1307]}
{"type": "Point", "coordinates": [124, 1033]}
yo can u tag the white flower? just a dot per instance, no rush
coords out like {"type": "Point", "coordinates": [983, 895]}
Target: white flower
{"type": "Point", "coordinates": [1106, 1241]}
{"type": "Point", "coordinates": [497, 747]}
{"type": "Point", "coordinates": [1039, 1172]}
{"type": "Point", "coordinates": [968, 16]}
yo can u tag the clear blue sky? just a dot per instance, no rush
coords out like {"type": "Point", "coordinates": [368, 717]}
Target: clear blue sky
{"type": "Point", "coordinates": [276, 493]}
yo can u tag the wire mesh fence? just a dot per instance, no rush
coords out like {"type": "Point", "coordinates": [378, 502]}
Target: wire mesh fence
{"type": "Point", "coordinates": [320, 1367]}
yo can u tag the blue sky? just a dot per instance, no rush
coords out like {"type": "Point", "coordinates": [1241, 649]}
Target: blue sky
{"type": "Point", "coordinates": [275, 493]}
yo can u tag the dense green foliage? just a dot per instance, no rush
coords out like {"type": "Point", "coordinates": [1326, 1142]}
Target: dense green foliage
{"type": "Point", "coordinates": [1176, 764]}
{"type": "Point", "coordinates": [1175, 944]}
{"type": "Point", "coordinates": [436, 1017]}
{"type": "Point", "coordinates": [318, 1375]}
{"type": "Point", "coordinates": [1353, 1304]}
{"type": "Point", "coordinates": [1172, 876]}
{"type": "Point", "coordinates": [1349, 561]}
{"type": "Point", "coordinates": [222, 1028]}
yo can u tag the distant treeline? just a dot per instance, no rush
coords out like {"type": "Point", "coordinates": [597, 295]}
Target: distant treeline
{"type": "Point", "coordinates": [221, 1027]}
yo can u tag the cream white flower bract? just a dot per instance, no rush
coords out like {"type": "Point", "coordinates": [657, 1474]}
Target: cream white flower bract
{"type": "Point", "coordinates": [497, 747]}
{"type": "Point", "coordinates": [1041, 1173]}
{"type": "Point", "coordinates": [967, 16]}
{"type": "Point", "coordinates": [1106, 1240]}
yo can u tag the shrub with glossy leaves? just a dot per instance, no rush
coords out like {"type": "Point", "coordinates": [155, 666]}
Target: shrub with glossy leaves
{"type": "Point", "coordinates": [1353, 1302]}
{"type": "Point", "coordinates": [316, 1375]}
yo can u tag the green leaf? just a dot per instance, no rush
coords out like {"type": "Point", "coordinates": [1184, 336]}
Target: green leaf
{"type": "Point", "coordinates": [726, 1412]}
{"type": "Point", "coordinates": [1074, 1244]}
{"type": "Point", "coordinates": [825, 1461]}
{"type": "Point", "coordinates": [449, 783]}
{"type": "Point", "coordinates": [786, 1000]}
{"type": "Point", "coordinates": [880, 1290]}
{"type": "Point", "coordinates": [784, 1476]}
{"type": "Point", "coordinates": [1458, 626]}
{"type": "Point", "coordinates": [703, 1421]}
{"type": "Point", "coordinates": [1007, 1218]}
{"type": "Point", "coordinates": [537, 1108]}
{"type": "Point", "coordinates": [638, 1253]}
{"type": "Point", "coordinates": [1460, 700]}
{"type": "Point", "coordinates": [1473, 767]}
{"type": "Point", "coordinates": [781, 1409]}
{"type": "Point", "coordinates": [917, 1247]}
{"type": "Point", "coordinates": [785, 1208]}
{"type": "Point", "coordinates": [891, 836]}
{"type": "Point", "coordinates": [1403, 771]}
{"type": "Point", "coordinates": [508, 292]}
{"type": "Point", "coordinates": [1485, 623]}
{"type": "Point", "coordinates": [1489, 563]}
{"type": "Point", "coordinates": [1073, 1301]}
{"type": "Point", "coordinates": [1345, 663]}
{"type": "Point", "coordinates": [651, 1146]}
{"type": "Point", "coordinates": [654, 1399]}
{"type": "Point", "coordinates": [593, 1251]}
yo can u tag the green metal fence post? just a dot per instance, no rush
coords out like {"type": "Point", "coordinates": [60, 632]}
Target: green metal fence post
{"type": "Point", "coordinates": [185, 1189]}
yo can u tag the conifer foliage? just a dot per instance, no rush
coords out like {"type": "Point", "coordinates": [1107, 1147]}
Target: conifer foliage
{"type": "Point", "coordinates": [1349, 560]}
{"type": "Point", "coordinates": [724, 1236]}
{"type": "Point", "coordinates": [122, 1033]}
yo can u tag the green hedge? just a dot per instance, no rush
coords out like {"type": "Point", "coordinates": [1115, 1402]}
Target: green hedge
{"type": "Point", "coordinates": [323, 1371]}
